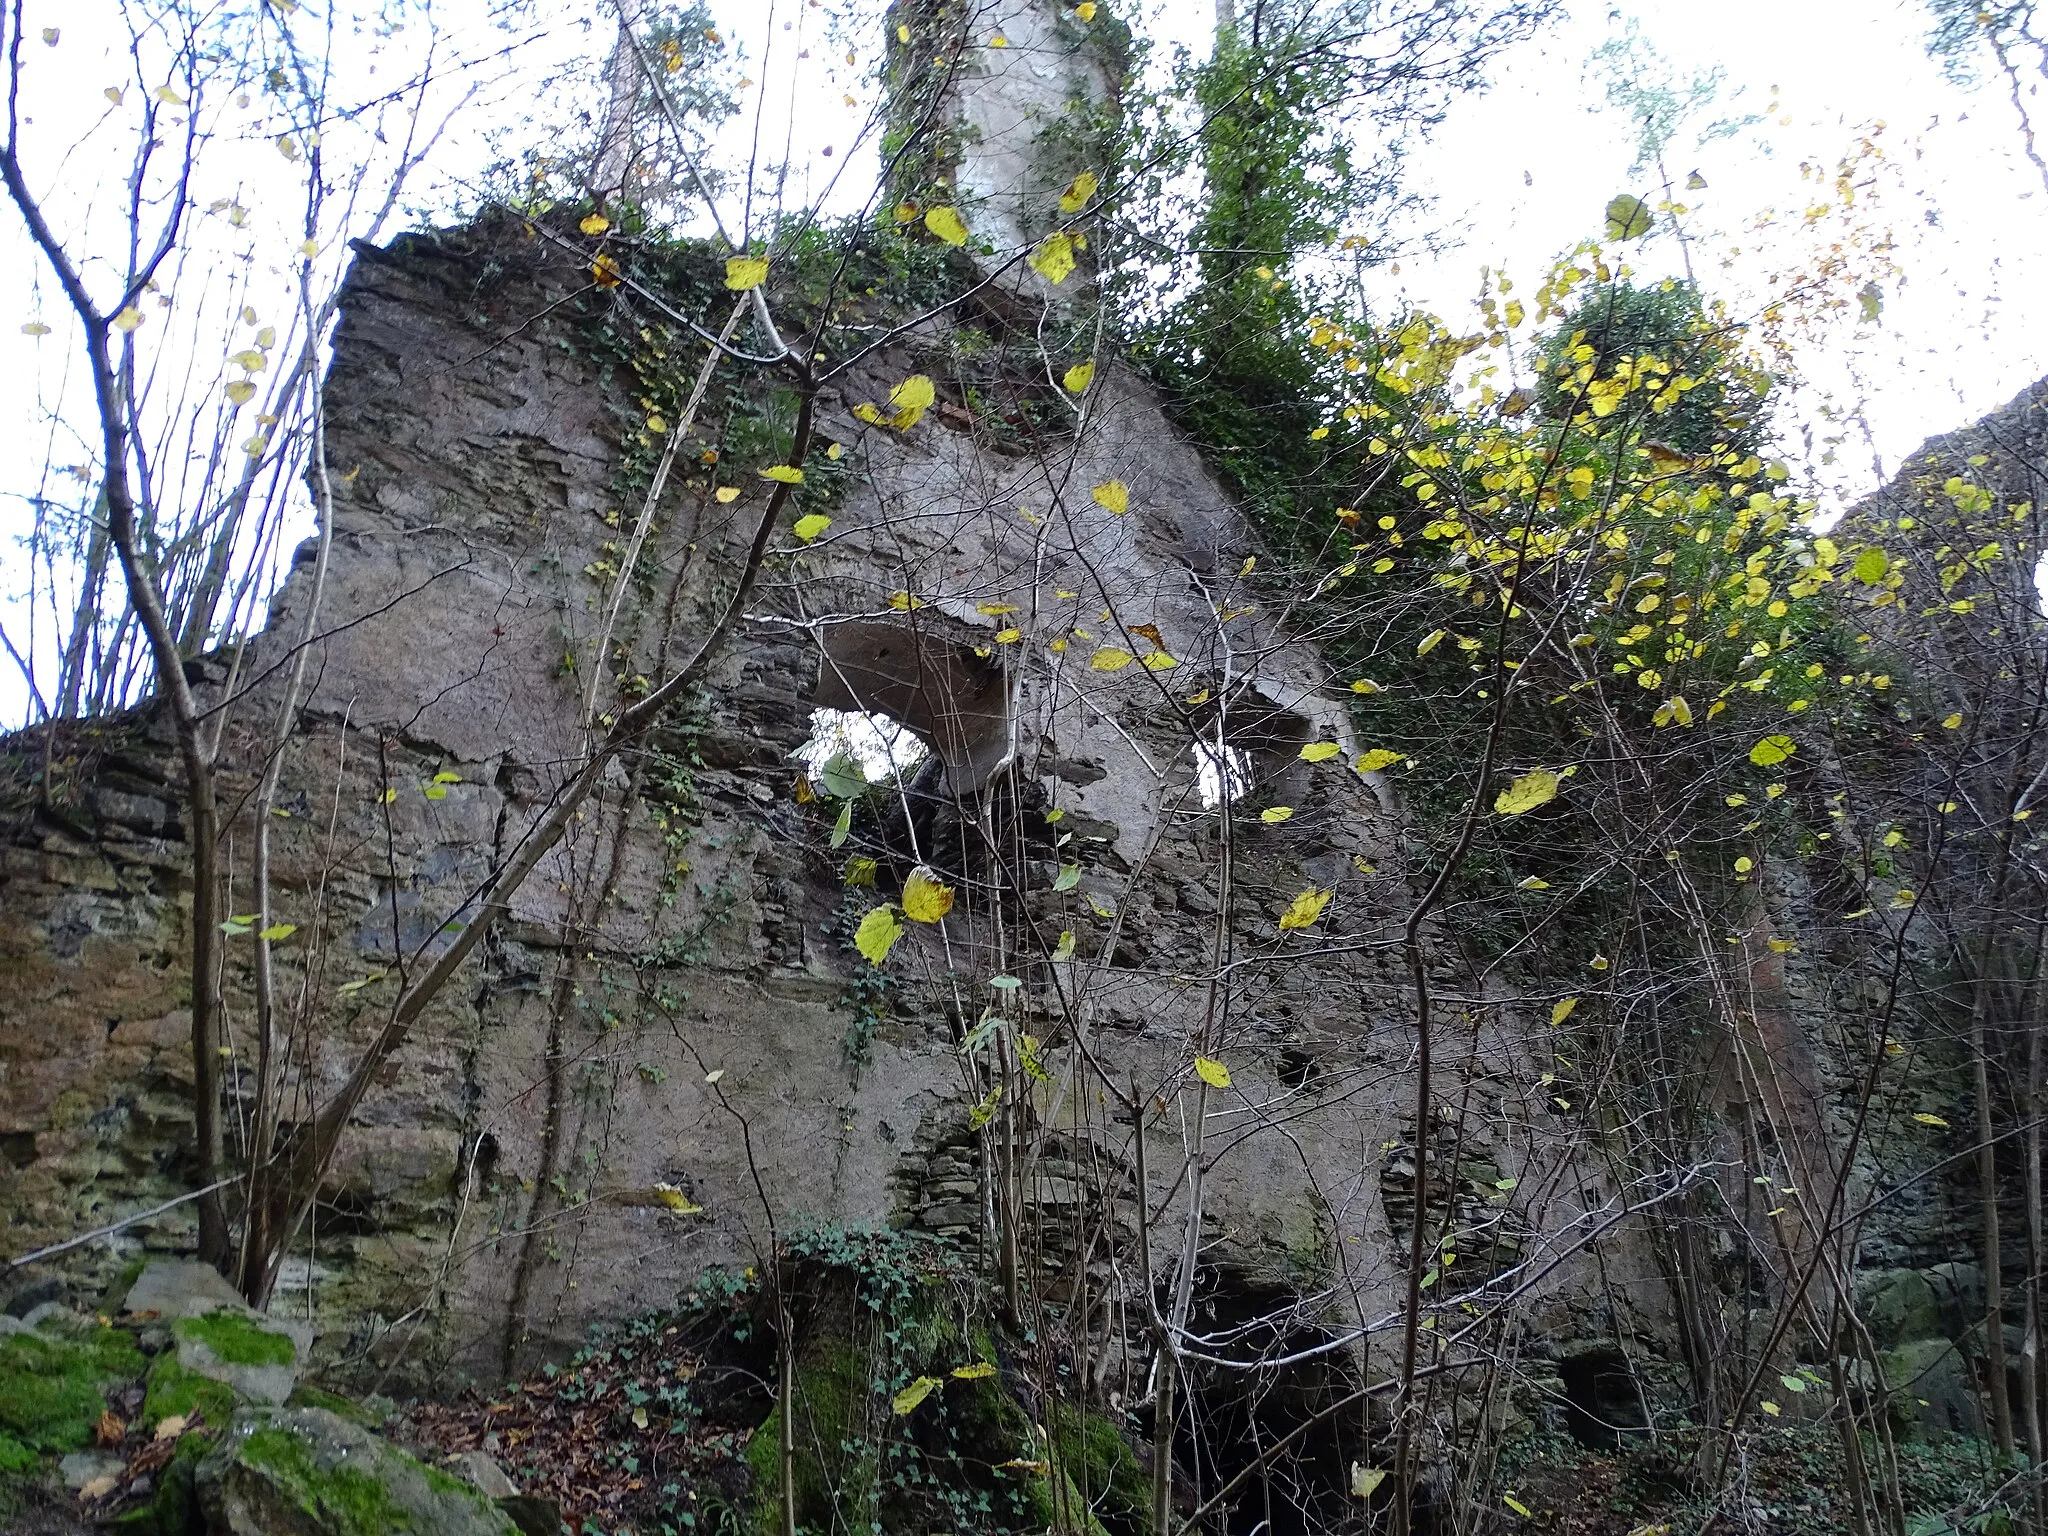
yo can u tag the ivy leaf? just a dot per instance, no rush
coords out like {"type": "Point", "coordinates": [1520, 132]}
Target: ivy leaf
{"type": "Point", "coordinates": [877, 935]}
{"type": "Point", "coordinates": [1319, 751]}
{"type": "Point", "coordinates": [1537, 787]}
{"type": "Point", "coordinates": [1212, 1072]}
{"type": "Point", "coordinates": [810, 525]}
{"type": "Point", "coordinates": [926, 898]}
{"type": "Point", "coordinates": [743, 273]}
{"type": "Point", "coordinates": [1772, 750]}
{"type": "Point", "coordinates": [1079, 377]}
{"type": "Point", "coordinates": [1303, 911]}
{"type": "Point", "coordinates": [906, 1401]}
{"type": "Point", "coordinates": [945, 223]}
{"type": "Point", "coordinates": [1113, 495]}
{"type": "Point", "coordinates": [1628, 217]}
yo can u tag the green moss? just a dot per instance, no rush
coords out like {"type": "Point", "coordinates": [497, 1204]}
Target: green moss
{"type": "Point", "coordinates": [174, 1389]}
{"type": "Point", "coordinates": [236, 1338]}
{"type": "Point", "coordinates": [1098, 1459]}
{"type": "Point", "coordinates": [52, 1386]}
{"type": "Point", "coordinates": [15, 1458]}
{"type": "Point", "coordinates": [353, 1503]}
{"type": "Point", "coordinates": [833, 1468]}
{"type": "Point", "coordinates": [174, 1511]}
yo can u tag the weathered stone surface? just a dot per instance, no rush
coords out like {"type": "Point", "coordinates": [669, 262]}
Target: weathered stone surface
{"type": "Point", "coordinates": [307, 1472]}
{"type": "Point", "coordinates": [175, 1288]}
{"type": "Point", "coordinates": [257, 1357]}
{"type": "Point", "coordinates": [484, 1474]}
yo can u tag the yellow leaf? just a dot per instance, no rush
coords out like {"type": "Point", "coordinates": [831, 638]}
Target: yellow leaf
{"type": "Point", "coordinates": [277, 932]}
{"type": "Point", "coordinates": [906, 1401]}
{"type": "Point", "coordinates": [1113, 495]}
{"type": "Point", "coordinates": [787, 474]}
{"type": "Point", "coordinates": [241, 391]}
{"type": "Point", "coordinates": [676, 1201]}
{"type": "Point", "coordinates": [727, 493]}
{"type": "Point", "coordinates": [1212, 1072]}
{"type": "Point", "coordinates": [1772, 750]}
{"type": "Point", "coordinates": [1430, 642]}
{"type": "Point", "coordinates": [1319, 751]}
{"type": "Point", "coordinates": [1303, 911]}
{"type": "Point", "coordinates": [35, 328]}
{"type": "Point", "coordinates": [595, 224]}
{"type": "Point", "coordinates": [1537, 787]}
{"type": "Point", "coordinates": [1053, 259]}
{"type": "Point", "coordinates": [945, 223]}
{"type": "Point", "coordinates": [926, 898]}
{"type": "Point", "coordinates": [1157, 661]}
{"type": "Point", "coordinates": [1533, 883]}
{"type": "Point", "coordinates": [309, 248]}
{"type": "Point", "coordinates": [835, 451]}
{"type": "Point", "coordinates": [1009, 636]}
{"type": "Point", "coordinates": [1933, 1120]}
{"type": "Point", "coordinates": [902, 32]}
{"type": "Point", "coordinates": [1085, 10]}
{"type": "Point", "coordinates": [903, 602]}
{"type": "Point", "coordinates": [1562, 1010]}
{"type": "Point", "coordinates": [877, 935]}
{"type": "Point", "coordinates": [912, 398]}
{"type": "Point", "coordinates": [127, 320]}
{"type": "Point", "coordinates": [745, 272]}
{"type": "Point", "coordinates": [1364, 685]}
{"type": "Point", "coordinates": [1376, 759]}
{"type": "Point", "coordinates": [657, 424]}
{"type": "Point", "coordinates": [1365, 1481]}
{"type": "Point", "coordinates": [605, 271]}
{"type": "Point", "coordinates": [1770, 1408]}
{"type": "Point", "coordinates": [809, 526]}
{"type": "Point", "coordinates": [169, 97]}
{"type": "Point", "coordinates": [1272, 816]}
{"type": "Point", "coordinates": [639, 1418]}
{"type": "Point", "coordinates": [1111, 658]}
{"type": "Point", "coordinates": [1516, 1505]}
{"type": "Point", "coordinates": [980, 1370]}
{"type": "Point", "coordinates": [1951, 722]}
{"type": "Point", "coordinates": [1079, 377]}
{"type": "Point", "coordinates": [1079, 191]}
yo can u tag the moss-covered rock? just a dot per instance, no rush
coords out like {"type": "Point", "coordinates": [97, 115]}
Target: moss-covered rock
{"type": "Point", "coordinates": [258, 1357]}
{"type": "Point", "coordinates": [54, 1380]}
{"type": "Point", "coordinates": [174, 1389]}
{"type": "Point", "coordinates": [308, 1472]}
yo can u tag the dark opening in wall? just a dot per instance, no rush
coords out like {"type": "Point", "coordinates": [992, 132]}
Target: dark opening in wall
{"type": "Point", "coordinates": [1603, 1402]}
{"type": "Point", "coordinates": [1235, 1417]}
{"type": "Point", "coordinates": [955, 702]}
{"type": "Point", "coordinates": [1250, 751]}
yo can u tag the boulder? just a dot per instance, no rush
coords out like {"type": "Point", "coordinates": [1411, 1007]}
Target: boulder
{"type": "Point", "coordinates": [257, 1357]}
{"type": "Point", "coordinates": [484, 1474]}
{"type": "Point", "coordinates": [1898, 1305]}
{"type": "Point", "coordinates": [174, 1288]}
{"type": "Point", "coordinates": [308, 1472]}
{"type": "Point", "coordinates": [1932, 1388]}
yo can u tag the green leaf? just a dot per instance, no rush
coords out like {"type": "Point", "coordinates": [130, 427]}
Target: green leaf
{"type": "Point", "coordinates": [1628, 217]}
{"type": "Point", "coordinates": [842, 826]}
{"type": "Point", "coordinates": [1068, 877]}
{"type": "Point", "coordinates": [906, 1401]}
{"type": "Point", "coordinates": [843, 776]}
{"type": "Point", "coordinates": [877, 935]}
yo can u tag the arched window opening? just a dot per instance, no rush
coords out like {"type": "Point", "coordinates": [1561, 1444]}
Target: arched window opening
{"type": "Point", "coordinates": [876, 746]}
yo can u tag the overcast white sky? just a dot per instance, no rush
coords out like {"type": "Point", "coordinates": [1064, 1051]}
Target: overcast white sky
{"type": "Point", "coordinates": [1520, 174]}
